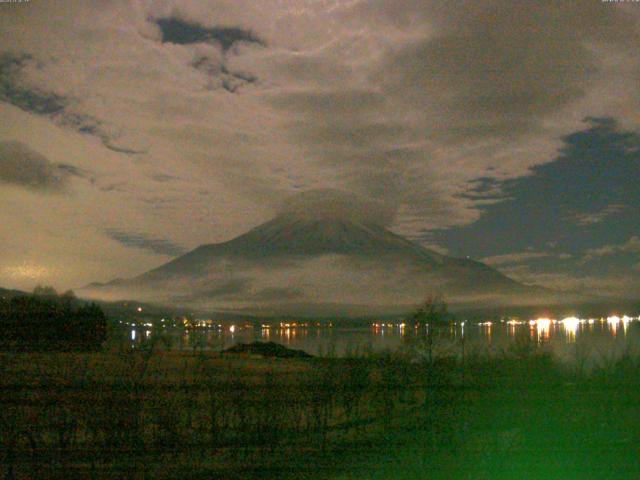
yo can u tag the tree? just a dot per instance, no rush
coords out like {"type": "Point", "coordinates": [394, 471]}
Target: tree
{"type": "Point", "coordinates": [431, 312]}
{"type": "Point", "coordinates": [45, 291]}
{"type": "Point", "coordinates": [50, 323]}
{"type": "Point", "coordinates": [70, 294]}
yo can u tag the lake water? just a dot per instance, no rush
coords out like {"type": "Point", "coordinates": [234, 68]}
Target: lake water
{"type": "Point", "coordinates": [571, 339]}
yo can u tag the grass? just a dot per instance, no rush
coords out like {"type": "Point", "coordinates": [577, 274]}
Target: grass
{"type": "Point", "coordinates": [165, 414]}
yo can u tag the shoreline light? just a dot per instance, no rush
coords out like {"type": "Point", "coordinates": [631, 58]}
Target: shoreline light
{"type": "Point", "coordinates": [570, 325]}
{"type": "Point", "coordinates": [542, 326]}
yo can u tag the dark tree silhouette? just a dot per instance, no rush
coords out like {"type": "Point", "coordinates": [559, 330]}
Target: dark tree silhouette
{"type": "Point", "coordinates": [47, 322]}
{"type": "Point", "coordinates": [45, 291]}
{"type": "Point", "coordinates": [432, 312]}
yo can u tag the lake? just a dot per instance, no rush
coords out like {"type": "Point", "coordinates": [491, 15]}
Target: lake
{"type": "Point", "coordinates": [595, 340]}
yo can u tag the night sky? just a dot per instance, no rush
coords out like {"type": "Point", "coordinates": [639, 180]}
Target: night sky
{"type": "Point", "coordinates": [134, 131]}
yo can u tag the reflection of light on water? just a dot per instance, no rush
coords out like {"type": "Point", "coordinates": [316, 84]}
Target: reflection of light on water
{"type": "Point", "coordinates": [287, 334]}
{"type": "Point", "coordinates": [561, 334]}
{"type": "Point", "coordinates": [613, 323]}
{"type": "Point", "coordinates": [486, 328]}
{"type": "Point", "coordinates": [570, 325]}
{"type": "Point", "coordinates": [511, 327]}
{"type": "Point", "coordinates": [542, 327]}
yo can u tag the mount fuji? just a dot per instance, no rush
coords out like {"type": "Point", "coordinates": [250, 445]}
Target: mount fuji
{"type": "Point", "coordinates": [321, 255]}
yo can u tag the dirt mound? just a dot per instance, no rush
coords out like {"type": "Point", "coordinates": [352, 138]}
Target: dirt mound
{"type": "Point", "coordinates": [267, 349]}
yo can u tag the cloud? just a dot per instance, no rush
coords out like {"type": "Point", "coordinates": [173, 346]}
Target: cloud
{"type": "Point", "coordinates": [521, 257]}
{"type": "Point", "coordinates": [595, 171]}
{"type": "Point", "coordinates": [140, 240]}
{"type": "Point", "coordinates": [425, 106]}
{"type": "Point", "coordinates": [231, 288]}
{"type": "Point", "coordinates": [318, 204]}
{"type": "Point", "coordinates": [182, 32]}
{"type": "Point", "coordinates": [18, 88]}
{"type": "Point", "coordinates": [18, 93]}
{"type": "Point", "coordinates": [212, 47]}
{"type": "Point", "coordinates": [408, 102]}
{"type": "Point", "coordinates": [612, 286]}
{"type": "Point", "coordinates": [631, 246]}
{"type": "Point", "coordinates": [586, 219]}
{"type": "Point", "coordinates": [23, 167]}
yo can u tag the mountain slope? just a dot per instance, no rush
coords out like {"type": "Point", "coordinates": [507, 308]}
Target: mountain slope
{"type": "Point", "coordinates": [298, 264]}
{"type": "Point", "coordinates": [301, 238]}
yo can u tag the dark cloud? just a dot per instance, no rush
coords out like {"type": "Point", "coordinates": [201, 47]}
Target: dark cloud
{"type": "Point", "coordinates": [162, 178]}
{"type": "Point", "coordinates": [496, 68]}
{"type": "Point", "coordinates": [140, 240]}
{"type": "Point", "coordinates": [233, 81]}
{"type": "Point", "coordinates": [220, 74]}
{"type": "Point", "coordinates": [449, 90]}
{"type": "Point", "coordinates": [71, 170]}
{"type": "Point", "coordinates": [484, 188]}
{"type": "Point", "coordinates": [21, 166]}
{"type": "Point", "coordinates": [16, 92]}
{"type": "Point", "coordinates": [505, 75]}
{"type": "Point", "coordinates": [183, 32]}
{"type": "Point", "coordinates": [129, 151]}
{"type": "Point", "coordinates": [92, 126]}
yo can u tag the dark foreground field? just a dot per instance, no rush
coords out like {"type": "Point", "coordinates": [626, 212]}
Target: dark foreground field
{"type": "Point", "coordinates": [170, 415]}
